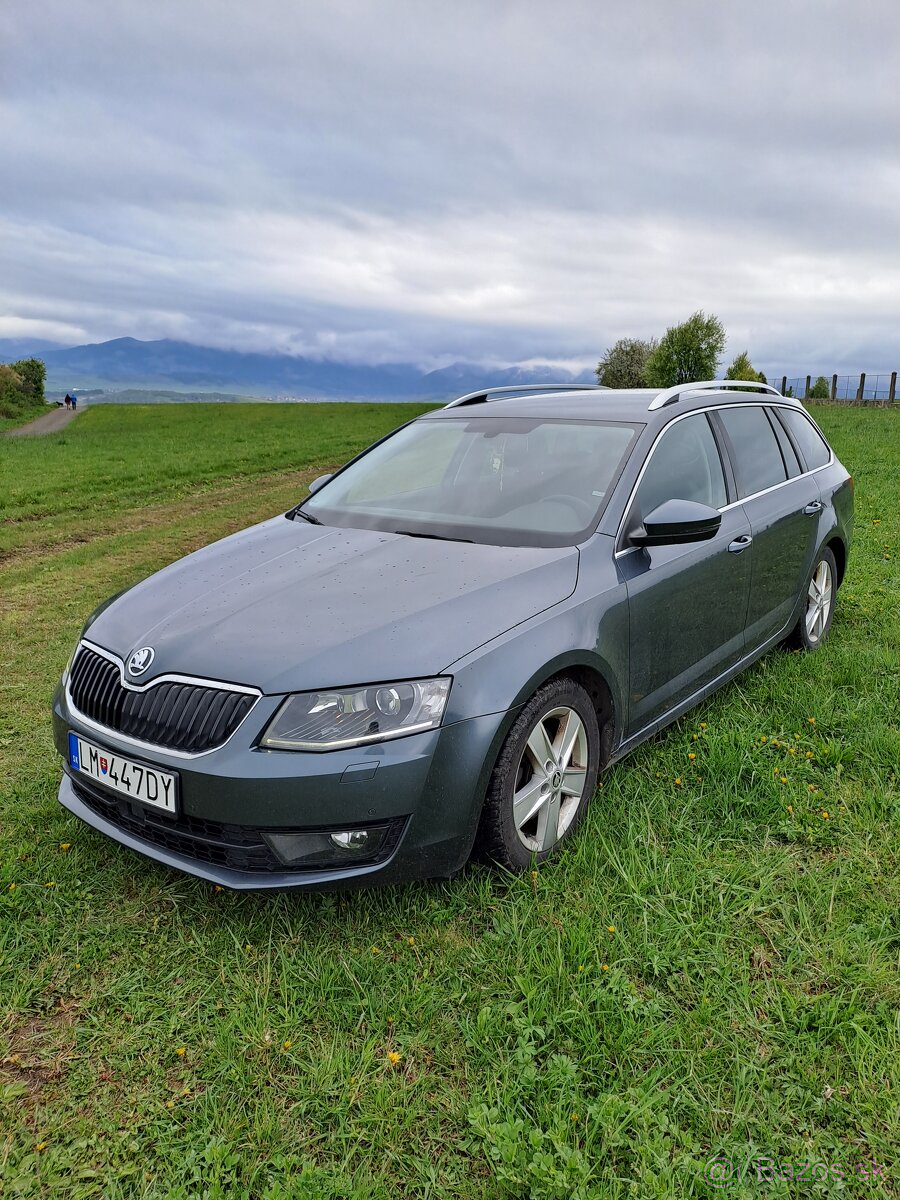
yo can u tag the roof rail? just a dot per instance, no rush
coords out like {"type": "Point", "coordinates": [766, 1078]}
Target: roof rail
{"type": "Point", "coordinates": [485, 394]}
{"type": "Point", "coordinates": [673, 394]}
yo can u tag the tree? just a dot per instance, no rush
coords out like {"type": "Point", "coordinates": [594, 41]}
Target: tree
{"type": "Point", "coordinates": [742, 368]}
{"type": "Point", "coordinates": [622, 366]}
{"type": "Point", "coordinates": [820, 390]}
{"type": "Point", "coordinates": [689, 351]}
{"type": "Point", "coordinates": [22, 388]}
{"type": "Point", "coordinates": [33, 374]}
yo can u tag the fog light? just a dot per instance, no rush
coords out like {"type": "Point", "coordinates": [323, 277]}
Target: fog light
{"type": "Point", "coordinates": [326, 847]}
{"type": "Point", "coordinates": [353, 840]}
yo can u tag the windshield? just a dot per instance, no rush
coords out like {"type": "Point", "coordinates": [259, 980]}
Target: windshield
{"type": "Point", "coordinates": [511, 481]}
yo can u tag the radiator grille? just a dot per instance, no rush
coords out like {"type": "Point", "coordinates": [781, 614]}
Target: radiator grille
{"type": "Point", "coordinates": [178, 716]}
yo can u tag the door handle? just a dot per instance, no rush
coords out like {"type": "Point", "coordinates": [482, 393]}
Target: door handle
{"type": "Point", "coordinates": [815, 507]}
{"type": "Point", "coordinates": [740, 543]}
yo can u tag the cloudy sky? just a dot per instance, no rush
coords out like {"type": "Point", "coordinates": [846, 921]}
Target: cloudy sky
{"type": "Point", "coordinates": [425, 180]}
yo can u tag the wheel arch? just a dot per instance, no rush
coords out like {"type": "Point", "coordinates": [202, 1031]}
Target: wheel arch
{"type": "Point", "coordinates": [595, 677]}
{"type": "Point", "coordinates": [836, 545]}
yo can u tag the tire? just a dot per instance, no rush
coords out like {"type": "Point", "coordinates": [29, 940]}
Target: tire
{"type": "Point", "coordinates": [540, 788]}
{"type": "Point", "coordinates": [819, 595]}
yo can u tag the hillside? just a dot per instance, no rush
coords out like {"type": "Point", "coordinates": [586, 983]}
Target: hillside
{"type": "Point", "coordinates": [167, 365]}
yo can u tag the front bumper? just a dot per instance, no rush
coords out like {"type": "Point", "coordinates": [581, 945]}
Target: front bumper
{"type": "Point", "coordinates": [426, 789]}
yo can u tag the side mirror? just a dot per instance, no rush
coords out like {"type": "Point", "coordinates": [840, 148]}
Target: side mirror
{"type": "Point", "coordinates": [675, 522]}
{"type": "Point", "coordinates": [317, 483]}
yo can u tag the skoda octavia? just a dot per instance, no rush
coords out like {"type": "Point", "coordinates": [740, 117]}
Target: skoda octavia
{"type": "Point", "coordinates": [437, 651]}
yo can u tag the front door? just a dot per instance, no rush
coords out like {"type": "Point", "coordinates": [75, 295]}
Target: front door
{"type": "Point", "coordinates": [687, 604]}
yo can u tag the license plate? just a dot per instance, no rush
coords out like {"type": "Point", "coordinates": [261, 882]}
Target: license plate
{"type": "Point", "coordinates": [132, 779]}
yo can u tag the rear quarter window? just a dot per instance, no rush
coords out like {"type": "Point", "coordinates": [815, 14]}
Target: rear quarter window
{"type": "Point", "coordinates": [812, 446]}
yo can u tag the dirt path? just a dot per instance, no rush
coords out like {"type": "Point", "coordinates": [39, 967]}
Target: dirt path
{"type": "Point", "coordinates": [50, 422]}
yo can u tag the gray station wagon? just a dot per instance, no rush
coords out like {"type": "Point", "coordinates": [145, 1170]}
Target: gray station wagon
{"type": "Point", "coordinates": [438, 650]}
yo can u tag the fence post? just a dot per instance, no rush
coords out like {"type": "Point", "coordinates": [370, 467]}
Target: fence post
{"type": "Point", "coordinates": [783, 384]}
{"type": "Point", "coordinates": [862, 386]}
{"type": "Point", "coordinates": [834, 387]}
{"type": "Point", "coordinates": [892, 391]}
{"type": "Point", "coordinates": [806, 393]}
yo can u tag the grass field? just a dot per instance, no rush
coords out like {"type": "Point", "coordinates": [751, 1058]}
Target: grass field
{"type": "Point", "coordinates": [712, 968]}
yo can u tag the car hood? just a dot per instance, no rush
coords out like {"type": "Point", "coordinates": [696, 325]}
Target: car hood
{"type": "Point", "coordinates": [287, 606]}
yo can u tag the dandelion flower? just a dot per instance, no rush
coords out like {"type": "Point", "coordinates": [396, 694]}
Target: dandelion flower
{"type": "Point", "coordinates": [52, 883]}
{"type": "Point", "coordinates": [610, 929]}
{"type": "Point", "coordinates": [692, 757]}
{"type": "Point", "coordinates": [581, 966]}
{"type": "Point", "coordinates": [217, 887]}
{"type": "Point", "coordinates": [784, 779]}
{"type": "Point", "coordinates": [65, 845]}
{"type": "Point", "coordinates": [410, 941]}
{"type": "Point", "coordinates": [824, 814]}
{"type": "Point", "coordinates": [678, 783]}
{"type": "Point", "coordinates": [248, 947]}
{"type": "Point", "coordinates": [170, 1104]}
{"type": "Point", "coordinates": [790, 808]}
{"type": "Point", "coordinates": [763, 740]}
{"type": "Point", "coordinates": [604, 967]}
{"type": "Point", "coordinates": [694, 736]}
{"type": "Point", "coordinates": [812, 720]}
{"type": "Point", "coordinates": [181, 1051]}
{"type": "Point", "coordinates": [376, 949]}
{"type": "Point", "coordinates": [702, 724]}
{"type": "Point", "coordinates": [575, 1117]}
{"type": "Point", "coordinates": [41, 1146]}
{"type": "Point", "coordinates": [12, 887]}
{"type": "Point", "coordinates": [393, 1057]}
{"type": "Point", "coordinates": [287, 1045]}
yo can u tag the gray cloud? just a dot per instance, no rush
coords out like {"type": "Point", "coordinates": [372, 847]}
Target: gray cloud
{"type": "Point", "coordinates": [470, 180]}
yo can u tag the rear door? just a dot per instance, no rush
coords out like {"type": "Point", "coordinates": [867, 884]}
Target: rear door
{"type": "Point", "coordinates": [781, 503]}
{"type": "Point", "coordinates": [687, 604]}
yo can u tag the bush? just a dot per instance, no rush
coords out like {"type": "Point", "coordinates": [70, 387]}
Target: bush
{"type": "Point", "coordinates": [22, 388]}
{"type": "Point", "coordinates": [689, 351]}
{"type": "Point", "coordinates": [742, 368]}
{"type": "Point", "coordinates": [820, 390]}
{"type": "Point", "coordinates": [622, 366]}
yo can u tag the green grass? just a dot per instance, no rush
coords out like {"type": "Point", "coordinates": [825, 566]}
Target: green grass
{"type": "Point", "coordinates": [712, 966]}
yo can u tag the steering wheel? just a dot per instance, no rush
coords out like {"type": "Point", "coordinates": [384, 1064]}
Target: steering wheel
{"type": "Point", "coordinates": [581, 508]}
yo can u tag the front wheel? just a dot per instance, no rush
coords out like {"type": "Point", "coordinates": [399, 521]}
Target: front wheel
{"type": "Point", "coordinates": [818, 604]}
{"type": "Point", "coordinates": [544, 777]}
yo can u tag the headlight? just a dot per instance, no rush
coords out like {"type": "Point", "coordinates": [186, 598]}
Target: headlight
{"type": "Point", "coordinates": [343, 717]}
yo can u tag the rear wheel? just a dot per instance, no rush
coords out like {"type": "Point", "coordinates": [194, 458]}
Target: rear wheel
{"type": "Point", "coordinates": [818, 604]}
{"type": "Point", "coordinates": [544, 777]}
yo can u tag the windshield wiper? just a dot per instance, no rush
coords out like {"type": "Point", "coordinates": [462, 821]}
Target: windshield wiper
{"type": "Point", "coordinates": [437, 537]}
{"type": "Point", "coordinates": [306, 517]}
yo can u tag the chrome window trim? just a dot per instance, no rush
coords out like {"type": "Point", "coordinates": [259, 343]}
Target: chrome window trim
{"type": "Point", "coordinates": [735, 503]}
{"type": "Point", "coordinates": [154, 747]}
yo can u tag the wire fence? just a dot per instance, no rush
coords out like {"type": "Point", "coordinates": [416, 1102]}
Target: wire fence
{"type": "Point", "coordinates": [852, 389]}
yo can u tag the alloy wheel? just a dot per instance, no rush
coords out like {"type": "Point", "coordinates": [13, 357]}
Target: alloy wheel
{"type": "Point", "coordinates": [818, 601]}
{"type": "Point", "coordinates": [550, 779]}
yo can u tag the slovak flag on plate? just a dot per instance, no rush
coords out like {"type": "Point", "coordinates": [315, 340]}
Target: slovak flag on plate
{"type": "Point", "coordinates": [103, 764]}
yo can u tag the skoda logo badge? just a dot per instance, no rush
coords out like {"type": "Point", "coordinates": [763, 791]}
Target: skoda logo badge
{"type": "Point", "coordinates": [140, 660]}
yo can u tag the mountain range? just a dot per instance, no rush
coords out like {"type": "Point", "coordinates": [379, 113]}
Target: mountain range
{"type": "Point", "coordinates": [127, 363]}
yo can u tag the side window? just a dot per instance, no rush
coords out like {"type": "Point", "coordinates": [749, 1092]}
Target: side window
{"type": "Point", "coordinates": [684, 465]}
{"type": "Point", "coordinates": [812, 445]}
{"type": "Point", "coordinates": [754, 449]}
{"type": "Point", "coordinates": [788, 453]}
